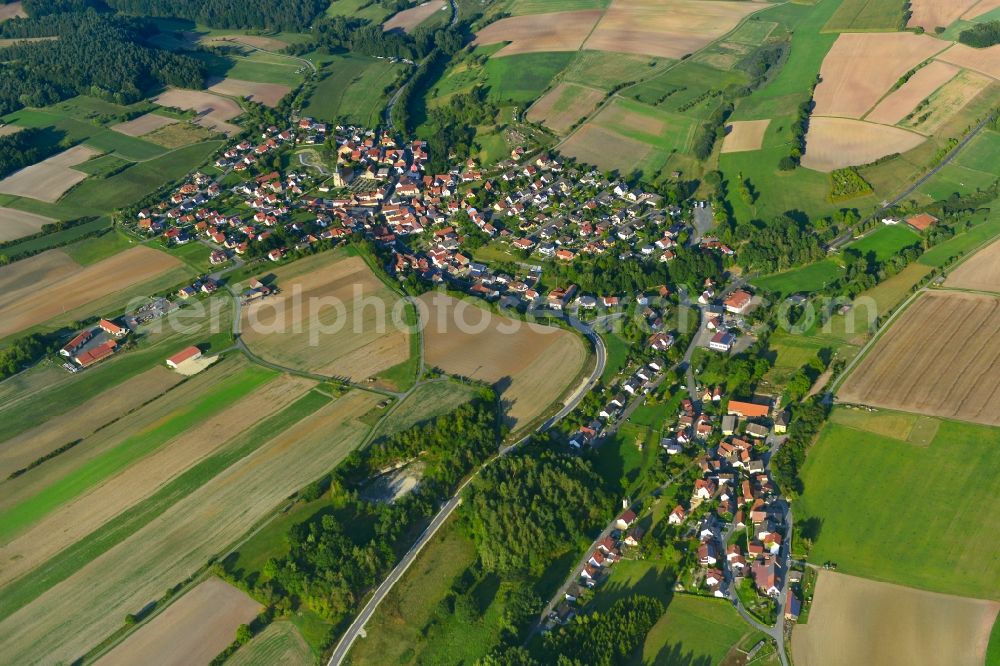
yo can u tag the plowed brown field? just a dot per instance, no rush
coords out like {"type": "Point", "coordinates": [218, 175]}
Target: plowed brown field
{"type": "Point", "coordinates": [834, 143]}
{"type": "Point", "coordinates": [941, 358]}
{"type": "Point", "coordinates": [193, 630]}
{"type": "Point", "coordinates": [50, 178]}
{"type": "Point", "coordinates": [564, 106]}
{"type": "Point", "coordinates": [28, 304]}
{"type": "Point", "coordinates": [930, 14]}
{"type": "Point", "coordinates": [408, 19]}
{"type": "Point", "coordinates": [980, 272]}
{"type": "Point", "coordinates": [268, 94]}
{"type": "Point", "coordinates": [342, 325]}
{"type": "Point", "coordinates": [143, 124]}
{"type": "Point", "coordinates": [17, 223]}
{"type": "Point", "coordinates": [858, 621]}
{"type": "Point", "coordinates": [532, 365]}
{"type": "Point", "coordinates": [897, 105]}
{"type": "Point", "coordinates": [561, 31]}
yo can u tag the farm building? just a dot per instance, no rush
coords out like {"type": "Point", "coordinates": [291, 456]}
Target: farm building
{"type": "Point", "coordinates": [922, 221]}
{"type": "Point", "coordinates": [80, 340]}
{"type": "Point", "coordinates": [98, 353]}
{"type": "Point", "coordinates": [748, 410]}
{"type": "Point", "coordinates": [113, 329]}
{"type": "Point", "coordinates": [184, 355]}
{"type": "Point", "coordinates": [738, 301]}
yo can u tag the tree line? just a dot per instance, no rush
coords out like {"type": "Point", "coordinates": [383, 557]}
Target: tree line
{"type": "Point", "coordinates": [291, 15]}
{"type": "Point", "coordinates": [24, 148]}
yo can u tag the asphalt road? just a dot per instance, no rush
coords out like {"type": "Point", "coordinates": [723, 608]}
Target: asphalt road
{"type": "Point", "coordinates": [357, 626]}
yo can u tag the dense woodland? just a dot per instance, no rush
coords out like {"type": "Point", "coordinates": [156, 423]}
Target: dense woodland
{"type": "Point", "coordinates": [94, 54]}
{"type": "Point", "coordinates": [603, 639]}
{"type": "Point", "coordinates": [527, 507]}
{"type": "Point", "coordinates": [21, 353]}
{"type": "Point", "coordinates": [24, 148]}
{"type": "Point", "coordinates": [289, 15]}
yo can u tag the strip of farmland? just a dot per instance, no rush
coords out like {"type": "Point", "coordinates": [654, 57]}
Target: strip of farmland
{"type": "Point", "coordinates": [68, 619]}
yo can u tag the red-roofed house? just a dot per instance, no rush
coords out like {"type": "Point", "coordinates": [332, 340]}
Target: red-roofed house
{"type": "Point", "coordinates": [183, 355]}
{"type": "Point", "coordinates": [748, 410]}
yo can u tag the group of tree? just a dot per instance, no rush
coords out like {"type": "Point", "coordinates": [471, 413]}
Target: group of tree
{"type": "Point", "coordinates": [807, 419]}
{"type": "Point", "coordinates": [335, 556]}
{"type": "Point", "coordinates": [452, 127]}
{"type": "Point", "coordinates": [981, 35]}
{"type": "Point", "coordinates": [604, 639]}
{"type": "Point", "coordinates": [21, 353]}
{"type": "Point", "coordinates": [779, 244]}
{"type": "Point", "coordinates": [95, 53]}
{"type": "Point", "coordinates": [24, 148]}
{"type": "Point", "coordinates": [606, 274]}
{"type": "Point", "coordinates": [711, 130]}
{"type": "Point", "coordinates": [528, 507]}
{"type": "Point", "coordinates": [292, 15]}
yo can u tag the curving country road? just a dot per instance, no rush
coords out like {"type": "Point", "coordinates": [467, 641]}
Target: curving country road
{"type": "Point", "coordinates": [357, 626]}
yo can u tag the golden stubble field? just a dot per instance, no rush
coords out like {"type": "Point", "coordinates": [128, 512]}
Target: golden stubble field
{"type": "Point", "coordinates": [980, 272]}
{"type": "Point", "coordinates": [37, 289]}
{"type": "Point", "coordinates": [343, 323]}
{"type": "Point", "coordinates": [213, 111]}
{"type": "Point", "coordinates": [74, 615]}
{"type": "Point", "coordinates": [193, 630]}
{"type": "Point", "coordinates": [561, 31]}
{"type": "Point", "coordinates": [143, 125]}
{"type": "Point", "coordinates": [941, 358]}
{"type": "Point", "coordinates": [17, 223]}
{"type": "Point", "coordinates": [858, 621]}
{"type": "Point", "coordinates": [50, 178]}
{"type": "Point", "coordinates": [268, 94]}
{"type": "Point", "coordinates": [408, 19]}
{"type": "Point", "coordinates": [902, 101]}
{"type": "Point", "coordinates": [744, 135]}
{"type": "Point", "coordinates": [834, 143]}
{"type": "Point", "coordinates": [531, 365]}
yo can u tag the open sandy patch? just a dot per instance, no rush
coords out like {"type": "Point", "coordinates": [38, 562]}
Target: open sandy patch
{"type": "Point", "coordinates": [532, 366]}
{"type": "Point", "coordinates": [20, 451]}
{"type": "Point", "coordinates": [193, 630]}
{"type": "Point", "coordinates": [835, 143]}
{"type": "Point", "coordinates": [75, 520]}
{"type": "Point", "coordinates": [268, 94]}
{"type": "Point", "coordinates": [666, 28]}
{"type": "Point", "coordinates": [985, 61]}
{"type": "Point", "coordinates": [73, 616]}
{"type": "Point", "coordinates": [858, 621]}
{"type": "Point", "coordinates": [143, 124]}
{"type": "Point", "coordinates": [213, 111]}
{"type": "Point", "coordinates": [50, 178]}
{"type": "Point", "coordinates": [408, 19]}
{"type": "Point", "coordinates": [560, 31]}
{"type": "Point", "coordinates": [862, 67]}
{"type": "Point", "coordinates": [17, 224]}
{"type": "Point", "coordinates": [744, 135]}
{"type": "Point", "coordinates": [55, 295]}
{"type": "Point", "coordinates": [12, 10]}
{"type": "Point", "coordinates": [930, 14]}
{"type": "Point", "coordinates": [901, 102]}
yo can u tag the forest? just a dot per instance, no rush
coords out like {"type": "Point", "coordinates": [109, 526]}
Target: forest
{"type": "Point", "coordinates": [95, 54]}
{"type": "Point", "coordinates": [291, 15]}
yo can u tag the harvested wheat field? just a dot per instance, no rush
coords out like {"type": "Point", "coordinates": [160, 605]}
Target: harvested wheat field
{"type": "Point", "coordinates": [408, 19]}
{"type": "Point", "coordinates": [213, 111]}
{"type": "Point", "coordinates": [985, 61]}
{"type": "Point", "coordinates": [930, 14]}
{"type": "Point", "coordinates": [902, 101]}
{"type": "Point", "coordinates": [666, 28]}
{"type": "Point", "coordinates": [944, 103]}
{"type": "Point", "coordinates": [564, 106]}
{"type": "Point", "coordinates": [74, 615]}
{"type": "Point", "coordinates": [12, 10]}
{"type": "Point", "coordinates": [561, 31]}
{"type": "Point", "coordinates": [835, 143]}
{"type": "Point", "coordinates": [980, 272]}
{"type": "Point", "coordinates": [7, 130]}
{"type": "Point", "coordinates": [24, 276]}
{"type": "Point", "coordinates": [744, 135]}
{"type": "Point", "coordinates": [940, 358]}
{"type": "Point", "coordinates": [50, 178]}
{"type": "Point", "coordinates": [193, 630]}
{"type": "Point", "coordinates": [17, 224]}
{"type": "Point", "coordinates": [344, 324]}
{"type": "Point", "coordinates": [143, 125]}
{"type": "Point", "coordinates": [83, 421]}
{"type": "Point", "coordinates": [532, 365]}
{"type": "Point", "coordinates": [268, 94]}
{"type": "Point", "coordinates": [50, 297]}
{"type": "Point", "coordinates": [605, 149]}
{"type": "Point", "coordinates": [862, 67]}
{"type": "Point", "coordinates": [858, 621]}
{"type": "Point", "coordinates": [78, 518]}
